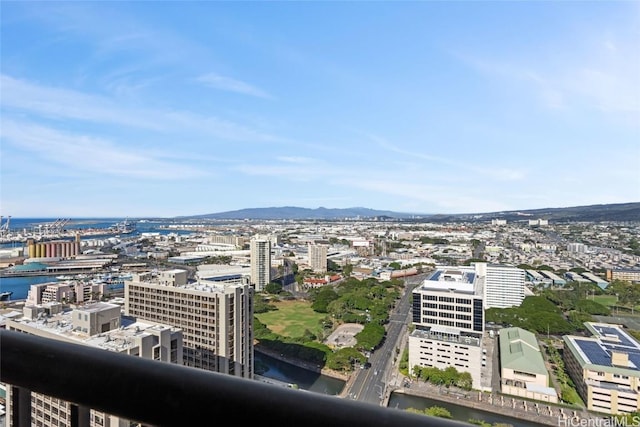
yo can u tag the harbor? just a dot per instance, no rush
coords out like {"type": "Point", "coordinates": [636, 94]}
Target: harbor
{"type": "Point", "coordinates": [41, 230]}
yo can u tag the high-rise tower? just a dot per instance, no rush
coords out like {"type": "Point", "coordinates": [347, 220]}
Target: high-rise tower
{"type": "Point", "coordinates": [260, 263]}
{"type": "Point", "coordinates": [318, 257]}
{"type": "Point", "coordinates": [216, 318]}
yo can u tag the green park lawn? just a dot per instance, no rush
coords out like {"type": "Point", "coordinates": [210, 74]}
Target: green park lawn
{"type": "Point", "coordinates": [606, 300]}
{"type": "Point", "coordinates": [609, 300]}
{"type": "Point", "coordinates": [292, 318]}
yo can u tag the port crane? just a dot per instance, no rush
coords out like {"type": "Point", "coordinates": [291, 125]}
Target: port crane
{"type": "Point", "coordinates": [4, 228]}
{"type": "Point", "coordinates": [51, 229]}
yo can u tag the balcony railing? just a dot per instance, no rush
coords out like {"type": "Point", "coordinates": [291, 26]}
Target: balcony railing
{"type": "Point", "coordinates": [161, 394]}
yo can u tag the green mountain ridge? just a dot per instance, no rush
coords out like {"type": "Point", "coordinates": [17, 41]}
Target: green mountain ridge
{"type": "Point", "coordinates": [591, 213]}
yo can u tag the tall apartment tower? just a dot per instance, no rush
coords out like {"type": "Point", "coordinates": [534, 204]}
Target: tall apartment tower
{"type": "Point", "coordinates": [260, 263]}
{"type": "Point", "coordinates": [448, 315]}
{"type": "Point", "coordinates": [503, 285]}
{"type": "Point", "coordinates": [317, 257]}
{"type": "Point", "coordinates": [97, 325]}
{"type": "Point", "coordinates": [216, 318]}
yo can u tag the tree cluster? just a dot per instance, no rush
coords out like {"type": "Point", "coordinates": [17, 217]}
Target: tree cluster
{"type": "Point", "coordinates": [536, 313]}
{"type": "Point", "coordinates": [366, 302]}
{"type": "Point", "coordinates": [445, 377]}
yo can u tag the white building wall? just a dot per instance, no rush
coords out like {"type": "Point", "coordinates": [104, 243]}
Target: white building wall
{"type": "Point", "coordinates": [449, 318]}
{"type": "Point", "coordinates": [504, 285]}
{"type": "Point", "coordinates": [260, 263]}
{"type": "Point", "coordinates": [440, 354]}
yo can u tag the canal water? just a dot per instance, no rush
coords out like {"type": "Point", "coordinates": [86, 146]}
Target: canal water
{"type": "Point", "coordinates": [460, 413]}
{"type": "Point", "coordinates": [303, 378]}
{"type": "Point", "coordinates": [312, 381]}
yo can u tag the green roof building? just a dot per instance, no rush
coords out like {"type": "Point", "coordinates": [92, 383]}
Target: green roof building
{"type": "Point", "coordinates": [30, 267]}
{"type": "Point", "coordinates": [522, 368]}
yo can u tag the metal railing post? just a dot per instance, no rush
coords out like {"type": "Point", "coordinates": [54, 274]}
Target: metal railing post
{"type": "Point", "coordinates": [20, 407]}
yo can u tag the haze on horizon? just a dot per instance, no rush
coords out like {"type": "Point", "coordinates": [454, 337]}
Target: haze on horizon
{"type": "Point", "coordinates": [164, 109]}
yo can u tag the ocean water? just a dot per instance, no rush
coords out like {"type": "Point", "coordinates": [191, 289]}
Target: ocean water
{"type": "Point", "coordinates": [19, 224]}
{"type": "Point", "coordinates": [20, 285]}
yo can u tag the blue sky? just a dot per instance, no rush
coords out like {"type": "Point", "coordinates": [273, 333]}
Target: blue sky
{"type": "Point", "coordinates": [182, 108]}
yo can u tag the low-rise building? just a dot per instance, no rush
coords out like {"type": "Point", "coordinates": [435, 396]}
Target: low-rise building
{"type": "Point", "coordinates": [99, 325]}
{"type": "Point", "coordinates": [627, 274]}
{"type": "Point", "coordinates": [522, 369]}
{"type": "Point", "coordinates": [605, 368]}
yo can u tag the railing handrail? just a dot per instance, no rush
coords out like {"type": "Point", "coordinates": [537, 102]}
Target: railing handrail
{"type": "Point", "coordinates": [163, 394]}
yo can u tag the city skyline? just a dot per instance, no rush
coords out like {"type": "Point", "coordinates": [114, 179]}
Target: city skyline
{"type": "Point", "coordinates": [163, 109]}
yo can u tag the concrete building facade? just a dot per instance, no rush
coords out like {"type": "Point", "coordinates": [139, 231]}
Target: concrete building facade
{"type": "Point", "coordinates": [522, 369]}
{"type": "Point", "coordinates": [99, 325]}
{"type": "Point", "coordinates": [318, 257]}
{"type": "Point", "coordinates": [448, 315]}
{"type": "Point", "coordinates": [503, 285]}
{"type": "Point", "coordinates": [627, 274]}
{"type": "Point", "coordinates": [216, 318]}
{"type": "Point", "coordinates": [605, 367]}
{"type": "Point", "coordinates": [260, 263]}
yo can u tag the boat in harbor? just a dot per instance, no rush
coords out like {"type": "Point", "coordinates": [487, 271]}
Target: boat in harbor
{"type": "Point", "coordinates": [4, 296]}
{"type": "Point", "coordinates": [124, 227]}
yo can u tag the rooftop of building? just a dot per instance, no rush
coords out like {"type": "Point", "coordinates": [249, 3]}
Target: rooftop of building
{"type": "Point", "coordinates": [447, 334]}
{"type": "Point", "coordinates": [30, 266]}
{"type": "Point", "coordinates": [222, 270]}
{"type": "Point", "coordinates": [202, 285]}
{"type": "Point", "coordinates": [458, 279]}
{"type": "Point", "coordinates": [96, 307]}
{"type": "Point", "coordinates": [609, 349]}
{"type": "Point", "coordinates": [519, 351]}
{"type": "Point", "coordinates": [61, 325]}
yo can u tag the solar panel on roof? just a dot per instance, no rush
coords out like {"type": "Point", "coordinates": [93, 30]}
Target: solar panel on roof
{"type": "Point", "coordinates": [594, 352]}
{"type": "Point", "coordinates": [621, 348]}
{"type": "Point", "coordinates": [615, 331]}
{"type": "Point", "coordinates": [635, 359]}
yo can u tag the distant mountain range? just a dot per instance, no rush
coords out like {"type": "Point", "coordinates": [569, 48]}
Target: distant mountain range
{"type": "Point", "coordinates": [591, 213]}
{"type": "Point", "coordinates": [292, 212]}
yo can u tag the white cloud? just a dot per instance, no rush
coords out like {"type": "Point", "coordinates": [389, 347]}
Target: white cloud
{"type": "Point", "coordinates": [499, 174]}
{"type": "Point", "coordinates": [294, 173]}
{"type": "Point", "coordinates": [61, 104]}
{"type": "Point", "coordinates": [229, 84]}
{"type": "Point", "coordinates": [293, 159]}
{"type": "Point", "coordinates": [445, 198]}
{"type": "Point", "coordinates": [605, 79]}
{"type": "Point", "coordinates": [93, 154]}
{"type": "Point", "coordinates": [67, 104]}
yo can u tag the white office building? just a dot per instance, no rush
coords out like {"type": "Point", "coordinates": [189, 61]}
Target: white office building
{"type": "Point", "coordinates": [448, 315]}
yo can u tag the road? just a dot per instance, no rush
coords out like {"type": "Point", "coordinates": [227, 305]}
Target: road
{"type": "Point", "coordinates": [374, 385]}
{"type": "Point", "coordinates": [371, 385]}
